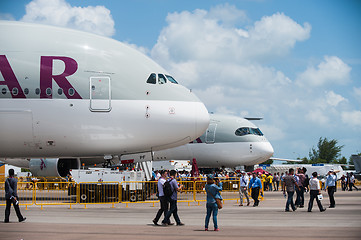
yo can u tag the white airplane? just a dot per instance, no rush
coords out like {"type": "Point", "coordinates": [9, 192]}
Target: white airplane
{"type": "Point", "coordinates": [67, 94]}
{"type": "Point", "coordinates": [228, 142]}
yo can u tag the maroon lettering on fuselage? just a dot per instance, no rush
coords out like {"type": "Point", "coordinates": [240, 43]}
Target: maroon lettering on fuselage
{"type": "Point", "coordinates": [10, 79]}
{"type": "Point", "coordinates": [46, 77]}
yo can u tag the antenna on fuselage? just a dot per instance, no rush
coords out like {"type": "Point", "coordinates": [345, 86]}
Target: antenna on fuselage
{"type": "Point", "coordinates": [253, 118]}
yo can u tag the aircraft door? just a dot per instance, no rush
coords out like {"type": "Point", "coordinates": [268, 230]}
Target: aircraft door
{"type": "Point", "coordinates": [211, 133]}
{"type": "Point", "coordinates": [100, 94]}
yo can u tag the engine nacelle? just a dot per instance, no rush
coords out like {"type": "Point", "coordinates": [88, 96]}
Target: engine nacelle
{"type": "Point", "coordinates": [53, 167]}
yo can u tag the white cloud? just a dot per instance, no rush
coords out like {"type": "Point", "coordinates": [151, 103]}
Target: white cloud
{"type": "Point", "coordinates": [275, 35]}
{"type": "Point", "coordinates": [202, 35]}
{"type": "Point", "coordinates": [357, 92]}
{"type": "Point", "coordinates": [229, 62]}
{"type": "Point", "coordinates": [331, 70]}
{"type": "Point", "coordinates": [141, 49]}
{"type": "Point", "coordinates": [224, 110]}
{"type": "Point", "coordinates": [96, 20]}
{"type": "Point", "coordinates": [272, 133]}
{"type": "Point", "coordinates": [227, 15]}
{"type": "Point", "coordinates": [334, 99]}
{"type": "Point", "coordinates": [317, 116]}
{"type": "Point", "coordinates": [352, 118]}
{"type": "Point", "coordinates": [7, 16]}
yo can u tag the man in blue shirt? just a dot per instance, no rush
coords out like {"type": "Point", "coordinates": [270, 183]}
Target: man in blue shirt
{"type": "Point", "coordinates": [255, 185]}
{"type": "Point", "coordinates": [173, 200]}
{"type": "Point", "coordinates": [330, 185]}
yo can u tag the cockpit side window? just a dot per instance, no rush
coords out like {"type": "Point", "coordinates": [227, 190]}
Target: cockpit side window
{"type": "Point", "coordinates": [171, 79]}
{"type": "Point", "coordinates": [246, 131]}
{"type": "Point", "coordinates": [161, 79]}
{"type": "Point", "coordinates": [152, 79]}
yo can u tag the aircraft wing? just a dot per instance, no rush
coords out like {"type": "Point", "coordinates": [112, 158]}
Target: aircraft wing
{"type": "Point", "coordinates": [285, 160]}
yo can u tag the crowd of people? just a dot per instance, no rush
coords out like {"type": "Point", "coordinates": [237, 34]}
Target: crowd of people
{"type": "Point", "coordinates": [168, 187]}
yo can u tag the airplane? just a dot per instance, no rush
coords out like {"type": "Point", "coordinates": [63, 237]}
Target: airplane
{"type": "Point", "coordinates": [357, 164]}
{"type": "Point", "coordinates": [229, 141]}
{"type": "Point", "coordinates": [67, 94]}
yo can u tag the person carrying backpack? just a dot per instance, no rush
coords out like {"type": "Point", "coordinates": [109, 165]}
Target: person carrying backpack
{"type": "Point", "coordinates": [162, 199]}
{"type": "Point", "coordinates": [170, 188]}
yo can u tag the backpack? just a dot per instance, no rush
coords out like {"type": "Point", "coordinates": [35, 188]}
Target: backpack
{"type": "Point", "coordinates": [167, 189]}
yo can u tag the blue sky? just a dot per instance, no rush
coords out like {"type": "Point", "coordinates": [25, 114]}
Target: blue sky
{"type": "Point", "coordinates": [295, 63]}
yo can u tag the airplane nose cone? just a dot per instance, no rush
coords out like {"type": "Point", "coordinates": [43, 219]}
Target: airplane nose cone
{"type": "Point", "coordinates": [202, 119]}
{"type": "Point", "coordinates": [267, 149]}
{"type": "Point", "coordinates": [262, 151]}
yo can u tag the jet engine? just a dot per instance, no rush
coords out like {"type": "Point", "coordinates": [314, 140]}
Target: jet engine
{"type": "Point", "coordinates": [53, 167]}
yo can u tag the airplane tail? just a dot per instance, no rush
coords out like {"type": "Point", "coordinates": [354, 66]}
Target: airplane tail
{"type": "Point", "coordinates": [357, 162]}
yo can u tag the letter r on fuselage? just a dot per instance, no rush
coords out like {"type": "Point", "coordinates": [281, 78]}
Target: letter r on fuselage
{"type": "Point", "coordinates": [46, 76]}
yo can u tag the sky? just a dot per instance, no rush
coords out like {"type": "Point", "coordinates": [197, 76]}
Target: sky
{"type": "Point", "coordinates": [296, 64]}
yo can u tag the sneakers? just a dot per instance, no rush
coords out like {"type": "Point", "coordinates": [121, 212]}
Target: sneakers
{"type": "Point", "coordinates": [324, 209]}
{"type": "Point", "coordinates": [206, 229]}
{"type": "Point", "coordinates": [155, 222]}
{"type": "Point", "coordinates": [180, 224]}
{"type": "Point", "coordinates": [22, 220]}
{"type": "Point", "coordinates": [216, 229]}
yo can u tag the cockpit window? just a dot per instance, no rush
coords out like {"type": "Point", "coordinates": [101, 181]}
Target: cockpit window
{"type": "Point", "coordinates": [171, 79]}
{"type": "Point", "coordinates": [152, 79]}
{"type": "Point", "coordinates": [161, 79]}
{"type": "Point", "coordinates": [246, 131]}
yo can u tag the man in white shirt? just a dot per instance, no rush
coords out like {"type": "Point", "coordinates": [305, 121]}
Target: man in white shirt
{"type": "Point", "coordinates": [243, 184]}
{"type": "Point", "coordinates": [162, 199]}
{"type": "Point", "coordinates": [315, 190]}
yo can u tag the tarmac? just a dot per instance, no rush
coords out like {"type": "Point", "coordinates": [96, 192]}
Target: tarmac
{"type": "Point", "coordinates": [269, 220]}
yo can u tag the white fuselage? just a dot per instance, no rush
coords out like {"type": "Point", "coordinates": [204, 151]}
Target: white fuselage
{"type": "Point", "coordinates": [218, 147]}
{"type": "Point", "coordinates": [65, 93]}
{"type": "Point", "coordinates": [217, 155]}
{"type": "Point", "coordinates": [53, 128]}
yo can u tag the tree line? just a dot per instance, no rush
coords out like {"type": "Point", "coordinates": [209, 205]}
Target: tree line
{"type": "Point", "coordinates": [327, 151]}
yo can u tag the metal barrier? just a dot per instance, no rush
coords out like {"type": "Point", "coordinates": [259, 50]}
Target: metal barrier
{"type": "Point", "coordinates": [53, 193]}
{"type": "Point", "coordinates": [139, 191]}
{"type": "Point", "coordinates": [70, 193]}
{"type": "Point", "coordinates": [96, 193]}
{"type": "Point", "coordinates": [25, 193]}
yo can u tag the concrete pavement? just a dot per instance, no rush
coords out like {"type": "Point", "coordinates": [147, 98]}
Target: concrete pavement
{"type": "Point", "coordinates": [135, 222]}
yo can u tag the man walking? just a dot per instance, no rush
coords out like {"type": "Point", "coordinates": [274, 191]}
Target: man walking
{"type": "Point", "coordinates": [352, 182]}
{"type": "Point", "coordinates": [330, 185]}
{"type": "Point", "coordinates": [11, 196]}
{"type": "Point", "coordinates": [300, 199]}
{"type": "Point", "coordinates": [162, 199]}
{"type": "Point", "coordinates": [289, 184]}
{"type": "Point", "coordinates": [173, 200]}
{"type": "Point", "coordinates": [243, 187]}
{"type": "Point", "coordinates": [255, 185]}
{"type": "Point", "coordinates": [315, 190]}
